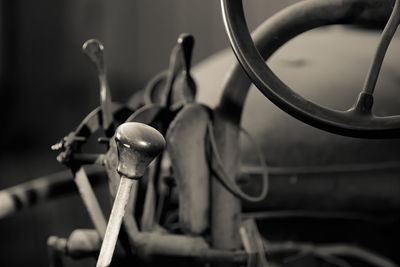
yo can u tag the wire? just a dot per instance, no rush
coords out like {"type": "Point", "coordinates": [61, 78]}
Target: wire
{"type": "Point", "coordinates": [229, 182]}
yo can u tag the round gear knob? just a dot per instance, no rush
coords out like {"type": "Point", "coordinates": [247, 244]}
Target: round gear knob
{"type": "Point", "coordinates": [138, 144]}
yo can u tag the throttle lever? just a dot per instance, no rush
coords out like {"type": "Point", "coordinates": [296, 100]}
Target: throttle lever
{"type": "Point", "coordinates": [180, 87]}
{"type": "Point", "coordinates": [94, 50]}
{"type": "Point", "coordinates": [138, 144]}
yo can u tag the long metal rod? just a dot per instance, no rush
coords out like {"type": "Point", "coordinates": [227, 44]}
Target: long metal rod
{"type": "Point", "coordinates": [114, 223]}
{"type": "Point", "coordinates": [91, 203]}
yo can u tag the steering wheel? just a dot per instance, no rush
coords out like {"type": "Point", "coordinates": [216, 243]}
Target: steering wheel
{"type": "Point", "coordinates": [358, 120]}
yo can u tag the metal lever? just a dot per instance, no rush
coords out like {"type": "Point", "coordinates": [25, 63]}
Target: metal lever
{"type": "Point", "coordinates": [180, 87]}
{"type": "Point", "coordinates": [186, 43]}
{"type": "Point", "coordinates": [138, 144]}
{"type": "Point", "coordinates": [94, 50]}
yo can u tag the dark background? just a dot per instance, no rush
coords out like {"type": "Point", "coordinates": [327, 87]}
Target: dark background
{"type": "Point", "coordinates": [47, 86]}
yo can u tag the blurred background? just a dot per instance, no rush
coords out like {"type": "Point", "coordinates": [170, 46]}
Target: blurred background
{"type": "Point", "coordinates": [47, 86]}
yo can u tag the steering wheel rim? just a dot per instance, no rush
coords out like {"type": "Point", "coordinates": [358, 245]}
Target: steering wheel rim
{"type": "Point", "coordinates": [358, 121]}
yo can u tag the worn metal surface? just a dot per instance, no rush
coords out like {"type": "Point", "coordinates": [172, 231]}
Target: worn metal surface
{"type": "Point", "coordinates": [186, 145]}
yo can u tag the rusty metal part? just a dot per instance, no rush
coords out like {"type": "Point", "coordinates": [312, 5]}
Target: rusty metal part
{"type": "Point", "coordinates": [94, 49]}
{"type": "Point", "coordinates": [305, 15]}
{"type": "Point", "coordinates": [186, 139]}
{"type": "Point", "coordinates": [42, 189]}
{"type": "Point", "coordinates": [137, 144]}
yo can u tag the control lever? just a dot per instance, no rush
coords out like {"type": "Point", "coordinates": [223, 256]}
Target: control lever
{"type": "Point", "coordinates": [94, 50]}
{"type": "Point", "coordinates": [138, 144]}
{"type": "Point", "coordinates": [180, 87]}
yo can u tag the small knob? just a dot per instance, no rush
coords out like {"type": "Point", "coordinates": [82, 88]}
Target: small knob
{"type": "Point", "coordinates": [94, 50]}
{"type": "Point", "coordinates": [138, 144]}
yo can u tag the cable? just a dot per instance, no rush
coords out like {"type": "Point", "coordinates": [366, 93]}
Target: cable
{"type": "Point", "coordinates": [229, 182]}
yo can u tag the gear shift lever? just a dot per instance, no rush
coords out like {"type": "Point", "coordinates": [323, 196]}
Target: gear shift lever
{"type": "Point", "coordinates": [138, 144]}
